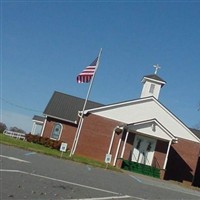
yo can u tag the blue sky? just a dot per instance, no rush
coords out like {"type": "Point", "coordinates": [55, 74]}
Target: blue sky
{"type": "Point", "coordinates": [46, 44]}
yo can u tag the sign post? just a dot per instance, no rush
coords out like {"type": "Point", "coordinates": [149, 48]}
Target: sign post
{"type": "Point", "coordinates": [63, 148]}
{"type": "Point", "coordinates": [108, 159]}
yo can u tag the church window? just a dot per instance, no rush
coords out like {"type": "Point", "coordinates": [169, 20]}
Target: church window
{"type": "Point", "coordinates": [152, 87]}
{"type": "Point", "coordinates": [57, 129]}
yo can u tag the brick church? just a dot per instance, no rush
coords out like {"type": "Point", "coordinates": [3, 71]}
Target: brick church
{"type": "Point", "coordinates": [139, 135]}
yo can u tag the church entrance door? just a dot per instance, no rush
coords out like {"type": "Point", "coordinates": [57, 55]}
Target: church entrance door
{"type": "Point", "coordinates": [143, 150]}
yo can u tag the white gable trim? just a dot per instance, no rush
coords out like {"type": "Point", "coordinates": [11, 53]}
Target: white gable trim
{"type": "Point", "coordinates": [120, 104]}
{"type": "Point", "coordinates": [169, 136]}
{"type": "Point", "coordinates": [138, 102]}
{"type": "Point", "coordinates": [176, 119]}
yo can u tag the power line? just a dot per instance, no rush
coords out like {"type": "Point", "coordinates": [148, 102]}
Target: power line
{"type": "Point", "coordinates": [19, 106]}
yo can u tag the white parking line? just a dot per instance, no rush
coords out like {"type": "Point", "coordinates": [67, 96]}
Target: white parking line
{"type": "Point", "coordinates": [166, 186]}
{"type": "Point", "coordinates": [137, 179]}
{"type": "Point", "coordinates": [80, 185]}
{"type": "Point", "coordinates": [30, 153]}
{"type": "Point", "coordinates": [15, 159]}
{"type": "Point", "coordinates": [59, 180]}
{"type": "Point", "coordinates": [106, 198]}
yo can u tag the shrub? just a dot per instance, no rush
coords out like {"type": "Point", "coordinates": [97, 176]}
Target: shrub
{"type": "Point", "coordinates": [47, 142]}
{"type": "Point", "coordinates": [29, 137]}
{"type": "Point", "coordinates": [56, 145]}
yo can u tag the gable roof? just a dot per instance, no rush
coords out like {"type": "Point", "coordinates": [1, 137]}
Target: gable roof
{"type": "Point", "coordinates": [157, 129]}
{"type": "Point", "coordinates": [145, 109]}
{"type": "Point", "coordinates": [65, 107]}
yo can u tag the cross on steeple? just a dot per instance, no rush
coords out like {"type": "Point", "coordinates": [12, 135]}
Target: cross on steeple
{"type": "Point", "coordinates": [156, 68]}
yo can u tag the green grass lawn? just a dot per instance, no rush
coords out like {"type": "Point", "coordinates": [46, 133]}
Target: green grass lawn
{"type": "Point", "coordinates": [4, 139]}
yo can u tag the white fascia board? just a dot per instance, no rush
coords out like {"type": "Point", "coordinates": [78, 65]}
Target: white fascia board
{"type": "Point", "coordinates": [115, 105]}
{"type": "Point", "coordinates": [74, 122]}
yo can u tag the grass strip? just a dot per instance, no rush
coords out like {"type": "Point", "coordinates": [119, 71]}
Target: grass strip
{"type": "Point", "coordinates": [7, 140]}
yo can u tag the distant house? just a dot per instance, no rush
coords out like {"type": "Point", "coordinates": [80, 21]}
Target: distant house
{"type": "Point", "coordinates": [140, 135]}
{"type": "Point", "coordinates": [38, 122]}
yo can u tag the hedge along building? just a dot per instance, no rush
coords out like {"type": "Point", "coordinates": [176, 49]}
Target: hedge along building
{"type": "Point", "coordinates": [142, 131]}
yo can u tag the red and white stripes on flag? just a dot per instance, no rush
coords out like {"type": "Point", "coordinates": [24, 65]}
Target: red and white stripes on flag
{"type": "Point", "coordinates": [86, 75]}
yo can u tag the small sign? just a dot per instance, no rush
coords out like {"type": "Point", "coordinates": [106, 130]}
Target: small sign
{"type": "Point", "coordinates": [108, 158]}
{"type": "Point", "coordinates": [63, 147]}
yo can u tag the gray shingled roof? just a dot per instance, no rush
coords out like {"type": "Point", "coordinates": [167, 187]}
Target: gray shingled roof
{"type": "Point", "coordinates": [196, 132]}
{"type": "Point", "coordinates": [66, 107]}
{"type": "Point", "coordinates": [38, 118]}
{"type": "Point", "coordinates": [154, 76]}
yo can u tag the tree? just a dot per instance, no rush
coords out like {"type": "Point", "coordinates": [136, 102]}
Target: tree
{"type": "Point", "coordinates": [15, 129]}
{"type": "Point", "coordinates": [2, 127]}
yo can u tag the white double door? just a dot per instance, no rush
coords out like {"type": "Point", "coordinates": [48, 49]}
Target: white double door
{"type": "Point", "coordinates": [143, 150]}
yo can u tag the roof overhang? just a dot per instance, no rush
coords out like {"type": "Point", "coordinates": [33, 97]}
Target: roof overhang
{"type": "Point", "coordinates": [152, 128]}
{"type": "Point", "coordinates": [62, 119]}
{"type": "Point", "coordinates": [38, 119]}
{"type": "Point", "coordinates": [162, 83]}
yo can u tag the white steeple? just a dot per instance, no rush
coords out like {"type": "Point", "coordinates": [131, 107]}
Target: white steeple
{"type": "Point", "coordinates": [152, 84]}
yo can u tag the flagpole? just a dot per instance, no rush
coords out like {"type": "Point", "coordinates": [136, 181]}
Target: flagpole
{"type": "Point", "coordinates": [78, 131]}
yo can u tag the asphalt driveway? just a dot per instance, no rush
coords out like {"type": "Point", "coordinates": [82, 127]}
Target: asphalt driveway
{"type": "Point", "coordinates": [29, 175]}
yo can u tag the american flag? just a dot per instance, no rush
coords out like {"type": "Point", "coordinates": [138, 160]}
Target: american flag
{"type": "Point", "coordinates": [86, 75]}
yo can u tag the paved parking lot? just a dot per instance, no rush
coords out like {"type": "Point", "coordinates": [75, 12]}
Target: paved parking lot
{"type": "Point", "coordinates": [29, 175]}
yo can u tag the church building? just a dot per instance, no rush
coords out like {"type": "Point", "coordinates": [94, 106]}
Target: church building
{"type": "Point", "coordinates": [139, 135]}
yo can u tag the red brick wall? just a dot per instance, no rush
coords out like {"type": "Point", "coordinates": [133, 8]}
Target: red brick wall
{"type": "Point", "coordinates": [182, 161]}
{"type": "Point", "coordinates": [160, 152]}
{"type": "Point", "coordinates": [48, 128]}
{"type": "Point", "coordinates": [68, 131]}
{"type": "Point", "coordinates": [95, 137]}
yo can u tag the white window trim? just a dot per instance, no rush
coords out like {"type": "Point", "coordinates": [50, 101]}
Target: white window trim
{"type": "Point", "coordinates": [59, 134]}
{"type": "Point", "coordinates": [152, 88]}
